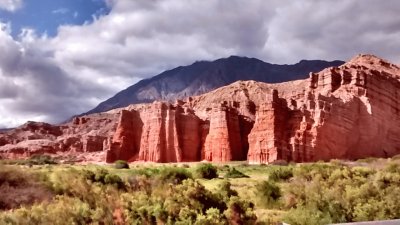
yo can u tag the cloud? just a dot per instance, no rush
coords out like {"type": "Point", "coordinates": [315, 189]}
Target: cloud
{"type": "Point", "coordinates": [139, 38]}
{"type": "Point", "coordinates": [10, 5]}
{"type": "Point", "coordinates": [52, 78]}
{"type": "Point", "coordinates": [33, 86]}
{"type": "Point", "coordinates": [60, 11]}
{"type": "Point", "coordinates": [334, 29]}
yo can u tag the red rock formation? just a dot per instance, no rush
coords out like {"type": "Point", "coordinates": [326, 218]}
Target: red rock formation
{"type": "Point", "coordinates": [170, 134]}
{"type": "Point", "coordinates": [347, 112]}
{"type": "Point", "coordinates": [3, 141]}
{"type": "Point", "coordinates": [80, 139]}
{"type": "Point", "coordinates": [223, 142]}
{"type": "Point", "coordinates": [267, 138]}
{"type": "Point", "coordinates": [189, 135]}
{"type": "Point", "coordinates": [126, 140]}
{"type": "Point", "coordinates": [158, 142]}
{"type": "Point", "coordinates": [352, 111]}
{"type": "Point", "coordinates": [93, 143]}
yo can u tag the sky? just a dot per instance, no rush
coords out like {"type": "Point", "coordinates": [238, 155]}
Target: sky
{"type": "Point", "coordinates": [60, 58]}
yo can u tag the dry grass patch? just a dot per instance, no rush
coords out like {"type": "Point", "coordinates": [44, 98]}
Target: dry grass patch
{"type": "Point", "coordinates": [18, 188]}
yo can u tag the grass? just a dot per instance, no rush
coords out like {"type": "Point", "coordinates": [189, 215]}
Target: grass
{"type": "Point", "coordinates": [246, 187]}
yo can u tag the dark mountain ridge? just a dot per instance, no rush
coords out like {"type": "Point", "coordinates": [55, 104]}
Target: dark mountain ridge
{"type": "Point", "coordinates": [203, 76]}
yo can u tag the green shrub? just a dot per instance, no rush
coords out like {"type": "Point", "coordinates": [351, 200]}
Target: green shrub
{"type": "Point", "coordinates": [139, 182]}
{"type": "Point", "coordinates": [206, 171]}
{"type": "Point", "coordinates": [114, 179]}
{"type": "Point", "coordinates": [392, 168]}
{"type": "Point", "coordinates": [326, 193]}
{"type": "Point", "coordinates": [174, 175]}
{"type": "Point", "coordinates": [269, 193]}
{"type": "Point", "coordinates": [240, 212]}
{"type": "Point", "coordinates": [186, 203]}
{"type": "Point", "coordinates": [224, 188]}
{"type": "Point", "coordinates": [212, 217]}
{"type": "Point", "coordinates": [63, 210]}
{"type": "Point", "coordinates": [104, 177]}
{"type": "Point", "coordinates": [278, 173]}
{"type": "Point", "coordinates": [147, 171]}
{"type": "Point", "coordinates": [121, 164]}
{"type": "Point", "coordinates": [41, 160]}
{"type": "Point", "coordinates": [173, 204]}
{"type": "Point", "coordinates": [234, 173]}
{"type": "Point", "coordinates": [166, 195]}
{"type": "Point", "coordinates": [310, 170]}
{"type": "Point", "coordinates": [361, 172]}
{"type": "Point", "coordinates": [304, 216]}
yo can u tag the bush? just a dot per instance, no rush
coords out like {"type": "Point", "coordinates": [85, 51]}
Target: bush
{"type": "Point", "coordinates": [41, 160]}
{"type": "Point", "coordinates": [280, 173]}
{"type": "Point", "coordinates": [311, 170]}
{"type": "Point", "coordinates": [304, 216]}
{"type": "Point", "coordinates": [177, 204]}
{"type": "Point", "coordinates": [33, 160]}
{"type": "Point", "coordinates": [19, 188]}
{"type": "Point", "coordinates": [185, 203]}
{"type": "Point", "coordinates": [146, 171]}
{"type": "Point", "coordinates": [166, 195]}
{"type": "Point", "coordinates": [206, 171]}
{"type": "Point", "coordinates": [104, 177]}
{"type": "Point", "coordinates": [225, 189]}
{"type": "Point", "coordinates": [234, 173]}
{"type": "Point", "coordinates": [392, 168]}
{"type": "Point", "coordinates": [269, 193]}
{"type": "Point", "coordinates": [121, 164]}
{"type": "Point", "coordinates": [240, 212]}
{"type": "Point", "coordinates": [174, 175]}
{"type": "Point", "coordinates": [63, 210]}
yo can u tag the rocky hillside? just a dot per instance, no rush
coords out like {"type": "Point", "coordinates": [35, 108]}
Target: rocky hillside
{"type": "Point", "coordinates": [349, 112]}
{"type": "Point", "coordinates": [204, 76]}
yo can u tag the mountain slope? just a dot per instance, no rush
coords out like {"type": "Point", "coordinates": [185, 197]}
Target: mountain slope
{"type": "Point", "coordinates": [346, 112]}
{"type": "Point", "coordinates": [204, 76]}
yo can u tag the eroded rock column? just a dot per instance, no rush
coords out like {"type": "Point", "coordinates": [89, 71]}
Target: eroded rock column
{"type": "Point", "coordinates": [267, 141]}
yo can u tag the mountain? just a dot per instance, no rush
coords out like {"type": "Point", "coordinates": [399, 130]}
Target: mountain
{"type": "Point", "coordinates": [347, 112]}
{"type": "Point", "coordinates": [204, 76]}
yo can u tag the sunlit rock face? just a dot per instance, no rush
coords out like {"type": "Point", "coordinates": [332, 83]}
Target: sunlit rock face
{"type": "Point", "coordinates": [345, 112]}
{"type": "Point", "coordinates": [348, 112]}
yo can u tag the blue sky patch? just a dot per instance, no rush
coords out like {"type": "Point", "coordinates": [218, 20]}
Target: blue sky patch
{"type": "Point", "coordinates": [45, 16]}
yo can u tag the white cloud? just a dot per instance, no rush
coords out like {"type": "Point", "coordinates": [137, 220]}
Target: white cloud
{"type": "Point", "coordinates": [53, 78]}
{"type": "Point", "coordinates": [334, 30]}
{"type": "Point", "coordinates": [11, 5]}
{"type": "Point", "coordinates": [60, 11]}
{"type": "Point", "coordinates": [34, 86]}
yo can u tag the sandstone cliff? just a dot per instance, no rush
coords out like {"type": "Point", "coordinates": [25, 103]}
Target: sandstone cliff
{"type": "Point", "coordinates": [83, 138]}
{"type": "Point", "coordinates": [350, 111]}
{"type": "Point", "coordinates": [347, 112]}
